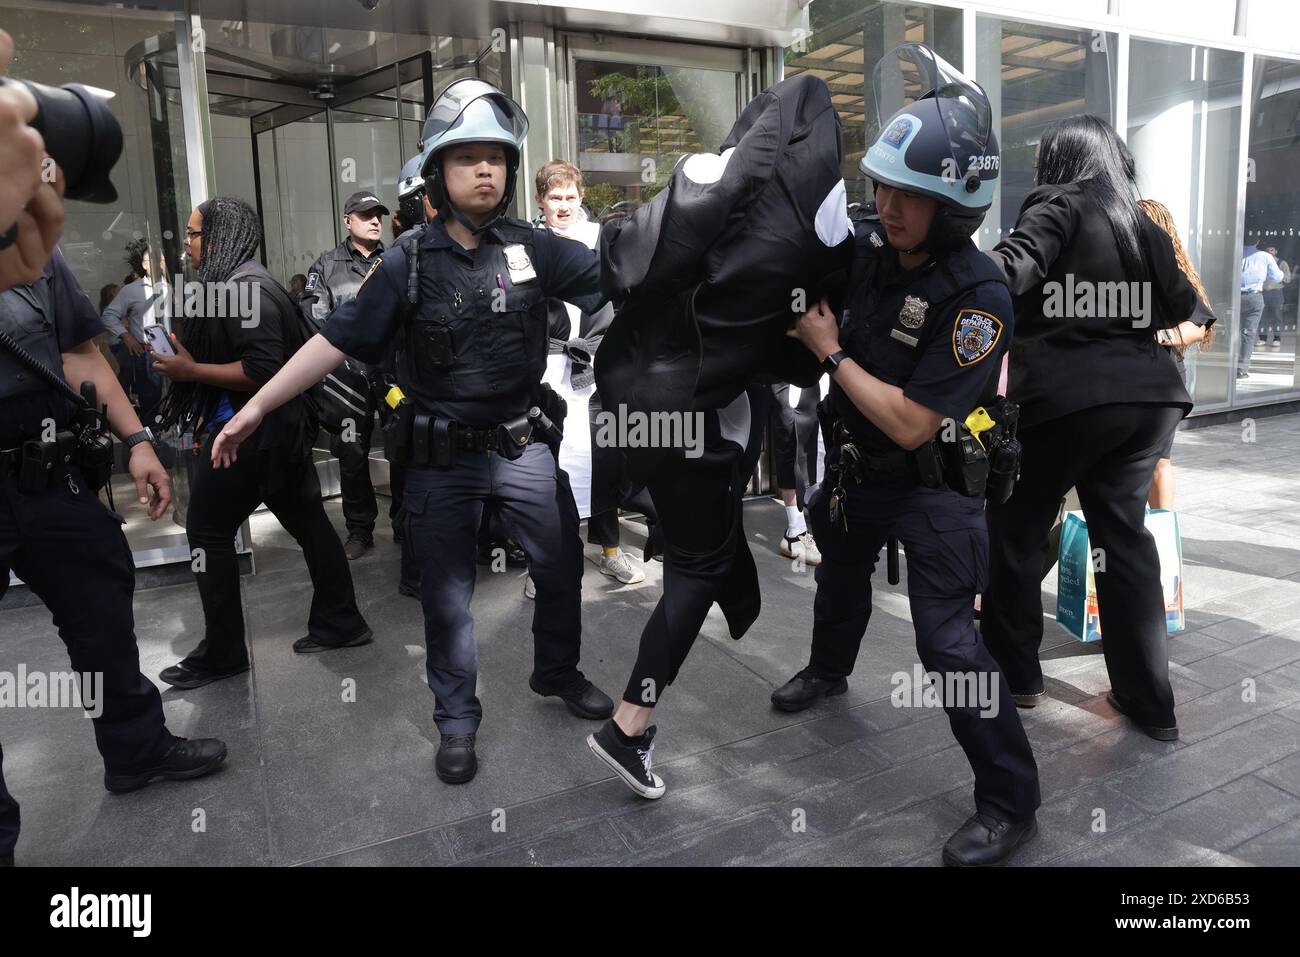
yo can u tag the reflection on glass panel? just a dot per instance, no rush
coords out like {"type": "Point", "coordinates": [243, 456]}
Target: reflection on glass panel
{"type": "Point", "coordinates": [635, 121]}
{"type": "Point", "coordinates": [1035, 75]}
{"type": "Point", "coordinates": [847, 38]}
{"type": "Point", "coordinates": [1184, 129]}
{"type": "Point", "coordinates": [1273, 215]}
{"type": "Point", "coordinates": [300, 174]}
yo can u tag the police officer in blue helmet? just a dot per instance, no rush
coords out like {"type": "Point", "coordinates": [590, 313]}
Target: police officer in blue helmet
{"type": "Point", "coordinates": [916, 436]}
{"type": "Point", "coordinates": [467, 299]}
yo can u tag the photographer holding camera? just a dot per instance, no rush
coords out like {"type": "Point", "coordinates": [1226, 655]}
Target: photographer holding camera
{"type": "Point", "coordinates": [54, 452]}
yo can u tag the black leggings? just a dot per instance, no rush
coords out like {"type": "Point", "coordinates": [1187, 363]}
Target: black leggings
{"type": "Point", "coordinates": [706, 559]}
{"type": "Point", "coordinates": [220, 501]}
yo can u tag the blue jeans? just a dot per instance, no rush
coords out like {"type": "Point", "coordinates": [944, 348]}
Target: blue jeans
{"type": "Point", "coordinates": [443, 508]}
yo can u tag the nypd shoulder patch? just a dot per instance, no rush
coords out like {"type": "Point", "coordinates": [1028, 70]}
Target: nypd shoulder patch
{"type": "Point", "coordinates": [974, 335]}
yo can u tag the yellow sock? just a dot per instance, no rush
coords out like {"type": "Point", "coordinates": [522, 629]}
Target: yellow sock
{"type": "Point", "coordinates": [609, 552]}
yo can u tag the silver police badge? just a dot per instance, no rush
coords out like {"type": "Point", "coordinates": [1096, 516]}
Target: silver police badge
{"type": "Point", "coordinates": [912, 315]}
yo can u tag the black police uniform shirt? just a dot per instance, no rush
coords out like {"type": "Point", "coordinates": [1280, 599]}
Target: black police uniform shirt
{"type": "Point", "coordinates": [938, 330]}
{"type": "Point", "coordinates": [488, 364]}
{"type": "Point", "coordinates": [75, 321]}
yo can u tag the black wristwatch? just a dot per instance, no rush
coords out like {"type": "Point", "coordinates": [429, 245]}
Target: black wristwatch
{"type": "Point", "coordinates": [832, 361]}
{"type": "Point", "coordinates": [144, 435]}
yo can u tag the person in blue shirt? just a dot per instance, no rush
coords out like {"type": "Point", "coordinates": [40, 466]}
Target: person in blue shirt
{"type": "Point", "coordinates": [467, 297]}
{"type": "Point", "coordinates": [1257, 267]}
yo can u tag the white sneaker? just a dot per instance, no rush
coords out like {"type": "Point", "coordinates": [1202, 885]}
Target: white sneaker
{"type": "Point", "coordinates": [802, 547]}
{"type": "Point", "coordinates": [620, 566]}
{"type": "Point", "coordinates": [530, 590]}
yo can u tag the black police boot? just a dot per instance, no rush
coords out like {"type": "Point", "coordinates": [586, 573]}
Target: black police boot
{"type": "Point", "coordinates": [456, 762]}
{"type": "Point", "coordinates": [188, 677]}
{"type": "Point", "coordinates": [310, 644]}
{"type": "Point", "coordinates": [581, 697]}
{"type": "Point", "coordinates": [803, 690]}
{"type": "Point", "coordinates": [985, 841]}
{"type": "Point", "coordinates": [187, 758]}
{"type": "Point", "coordinates": [1165, 733]}
{"type": "Point", "coordinates": [629, 758]}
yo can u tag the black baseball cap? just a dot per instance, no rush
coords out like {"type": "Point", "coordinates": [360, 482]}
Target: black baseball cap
{"type": "Point", "coordinates": [362, 201]}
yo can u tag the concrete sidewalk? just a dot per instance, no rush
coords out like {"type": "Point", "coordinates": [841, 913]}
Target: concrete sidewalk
{"type": "Point", "coordinates": [313, 778]}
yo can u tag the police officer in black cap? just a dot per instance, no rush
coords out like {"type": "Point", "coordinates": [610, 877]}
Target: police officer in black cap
{"type": "Point", "coordinates": [63, 543]}
{"type": "Point", "coordinates": [332, 280]}
{"type": "Point", "coordinates": [469, 301]}
{"type": "Point", "coordinates": [916, 350]}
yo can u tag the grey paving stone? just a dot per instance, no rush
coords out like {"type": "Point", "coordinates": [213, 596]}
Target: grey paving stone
{"type": "Point", "coordinates": [1205, 765]}
{"type": "Point", "coordinates": [1276, 847]}
{"type": "Point", "coordinates": [1201, 831]}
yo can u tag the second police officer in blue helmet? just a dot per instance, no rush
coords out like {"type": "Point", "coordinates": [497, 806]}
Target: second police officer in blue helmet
{"type": "Point", "coordinates": [915, 352]}
{"type": "Point", "coordinates": [470, 308]}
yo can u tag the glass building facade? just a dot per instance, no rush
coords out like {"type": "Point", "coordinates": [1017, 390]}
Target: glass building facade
{"type": "Point", "coordinates": [293, 106]}
{"type": "Point", "coordinates": [1212, 119]}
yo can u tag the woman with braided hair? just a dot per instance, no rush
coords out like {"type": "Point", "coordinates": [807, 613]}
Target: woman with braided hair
{"type": "Point", "coordinates": [242, 332]}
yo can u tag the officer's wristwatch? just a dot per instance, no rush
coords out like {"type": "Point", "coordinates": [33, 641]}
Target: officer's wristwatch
{"type": "Point", "coordinates": [144, 435]}
{"type": "Point", "coordinates": [832, 361]}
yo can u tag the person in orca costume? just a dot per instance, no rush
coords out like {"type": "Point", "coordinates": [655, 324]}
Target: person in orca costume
{"type": "Point", "coordinates": [706, 280]}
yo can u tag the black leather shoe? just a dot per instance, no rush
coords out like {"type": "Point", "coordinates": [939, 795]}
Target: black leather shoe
{"type": "Point", "coordinates": [581, 697]}
{"type": "Point", "coordinates": [514, 552]}
{"type": "Point", "coordinates": [456, 762]}
{"type": "Point", "coordinates": [1165, 733]}
{"type": "Point", "coordinates": [985, 841]}
{"type": "Point", "coordinates": [187, 758]}
{"type": "Point", "coordinates": [187, 677]}
{"type": "Point", "coordinates": [803, 690]}
{"type": "Point", "coordinates": [1029, 699]}
{"type": "Point", "coordinates": [310, 644]}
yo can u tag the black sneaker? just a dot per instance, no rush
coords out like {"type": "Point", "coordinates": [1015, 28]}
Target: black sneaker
{"type": "Point", "coordinates": [188, 677]}
{"type": "Point", "coordinates": [310, 644]}
{"type": "Point", "coordinates": [631, 762]}
{"type": "Point", "coordinates": [186, 758]}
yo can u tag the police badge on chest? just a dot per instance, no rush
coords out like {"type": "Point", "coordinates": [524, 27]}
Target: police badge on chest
{"type": "Point", "coordinates": [911, 317]}
{"type": "Point", "coordinates": [518, 264]}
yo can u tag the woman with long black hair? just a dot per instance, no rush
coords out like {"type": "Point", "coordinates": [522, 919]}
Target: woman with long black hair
{"type": "Point", "coordinates": [1093, 279]}
{"type": "Point", "coordinates": [222, 357]}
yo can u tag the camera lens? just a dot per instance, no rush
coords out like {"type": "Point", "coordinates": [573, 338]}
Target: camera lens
{"type": "Point", "coordinates": [81, 135]}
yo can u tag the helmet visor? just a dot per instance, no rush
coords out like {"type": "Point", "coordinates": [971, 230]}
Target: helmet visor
{"type": "Point", "coordinates": [449, 106]}
{"type": "Point", "coordinates": [912, 72]}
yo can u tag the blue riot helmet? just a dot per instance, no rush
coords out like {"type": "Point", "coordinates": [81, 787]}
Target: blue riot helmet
{"type": "Point", "coordinates": [936, 139]}
{"type": "Point", "coordinates": [410, 192]}
{"type": "Point", "coordinates": [471, 111]}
